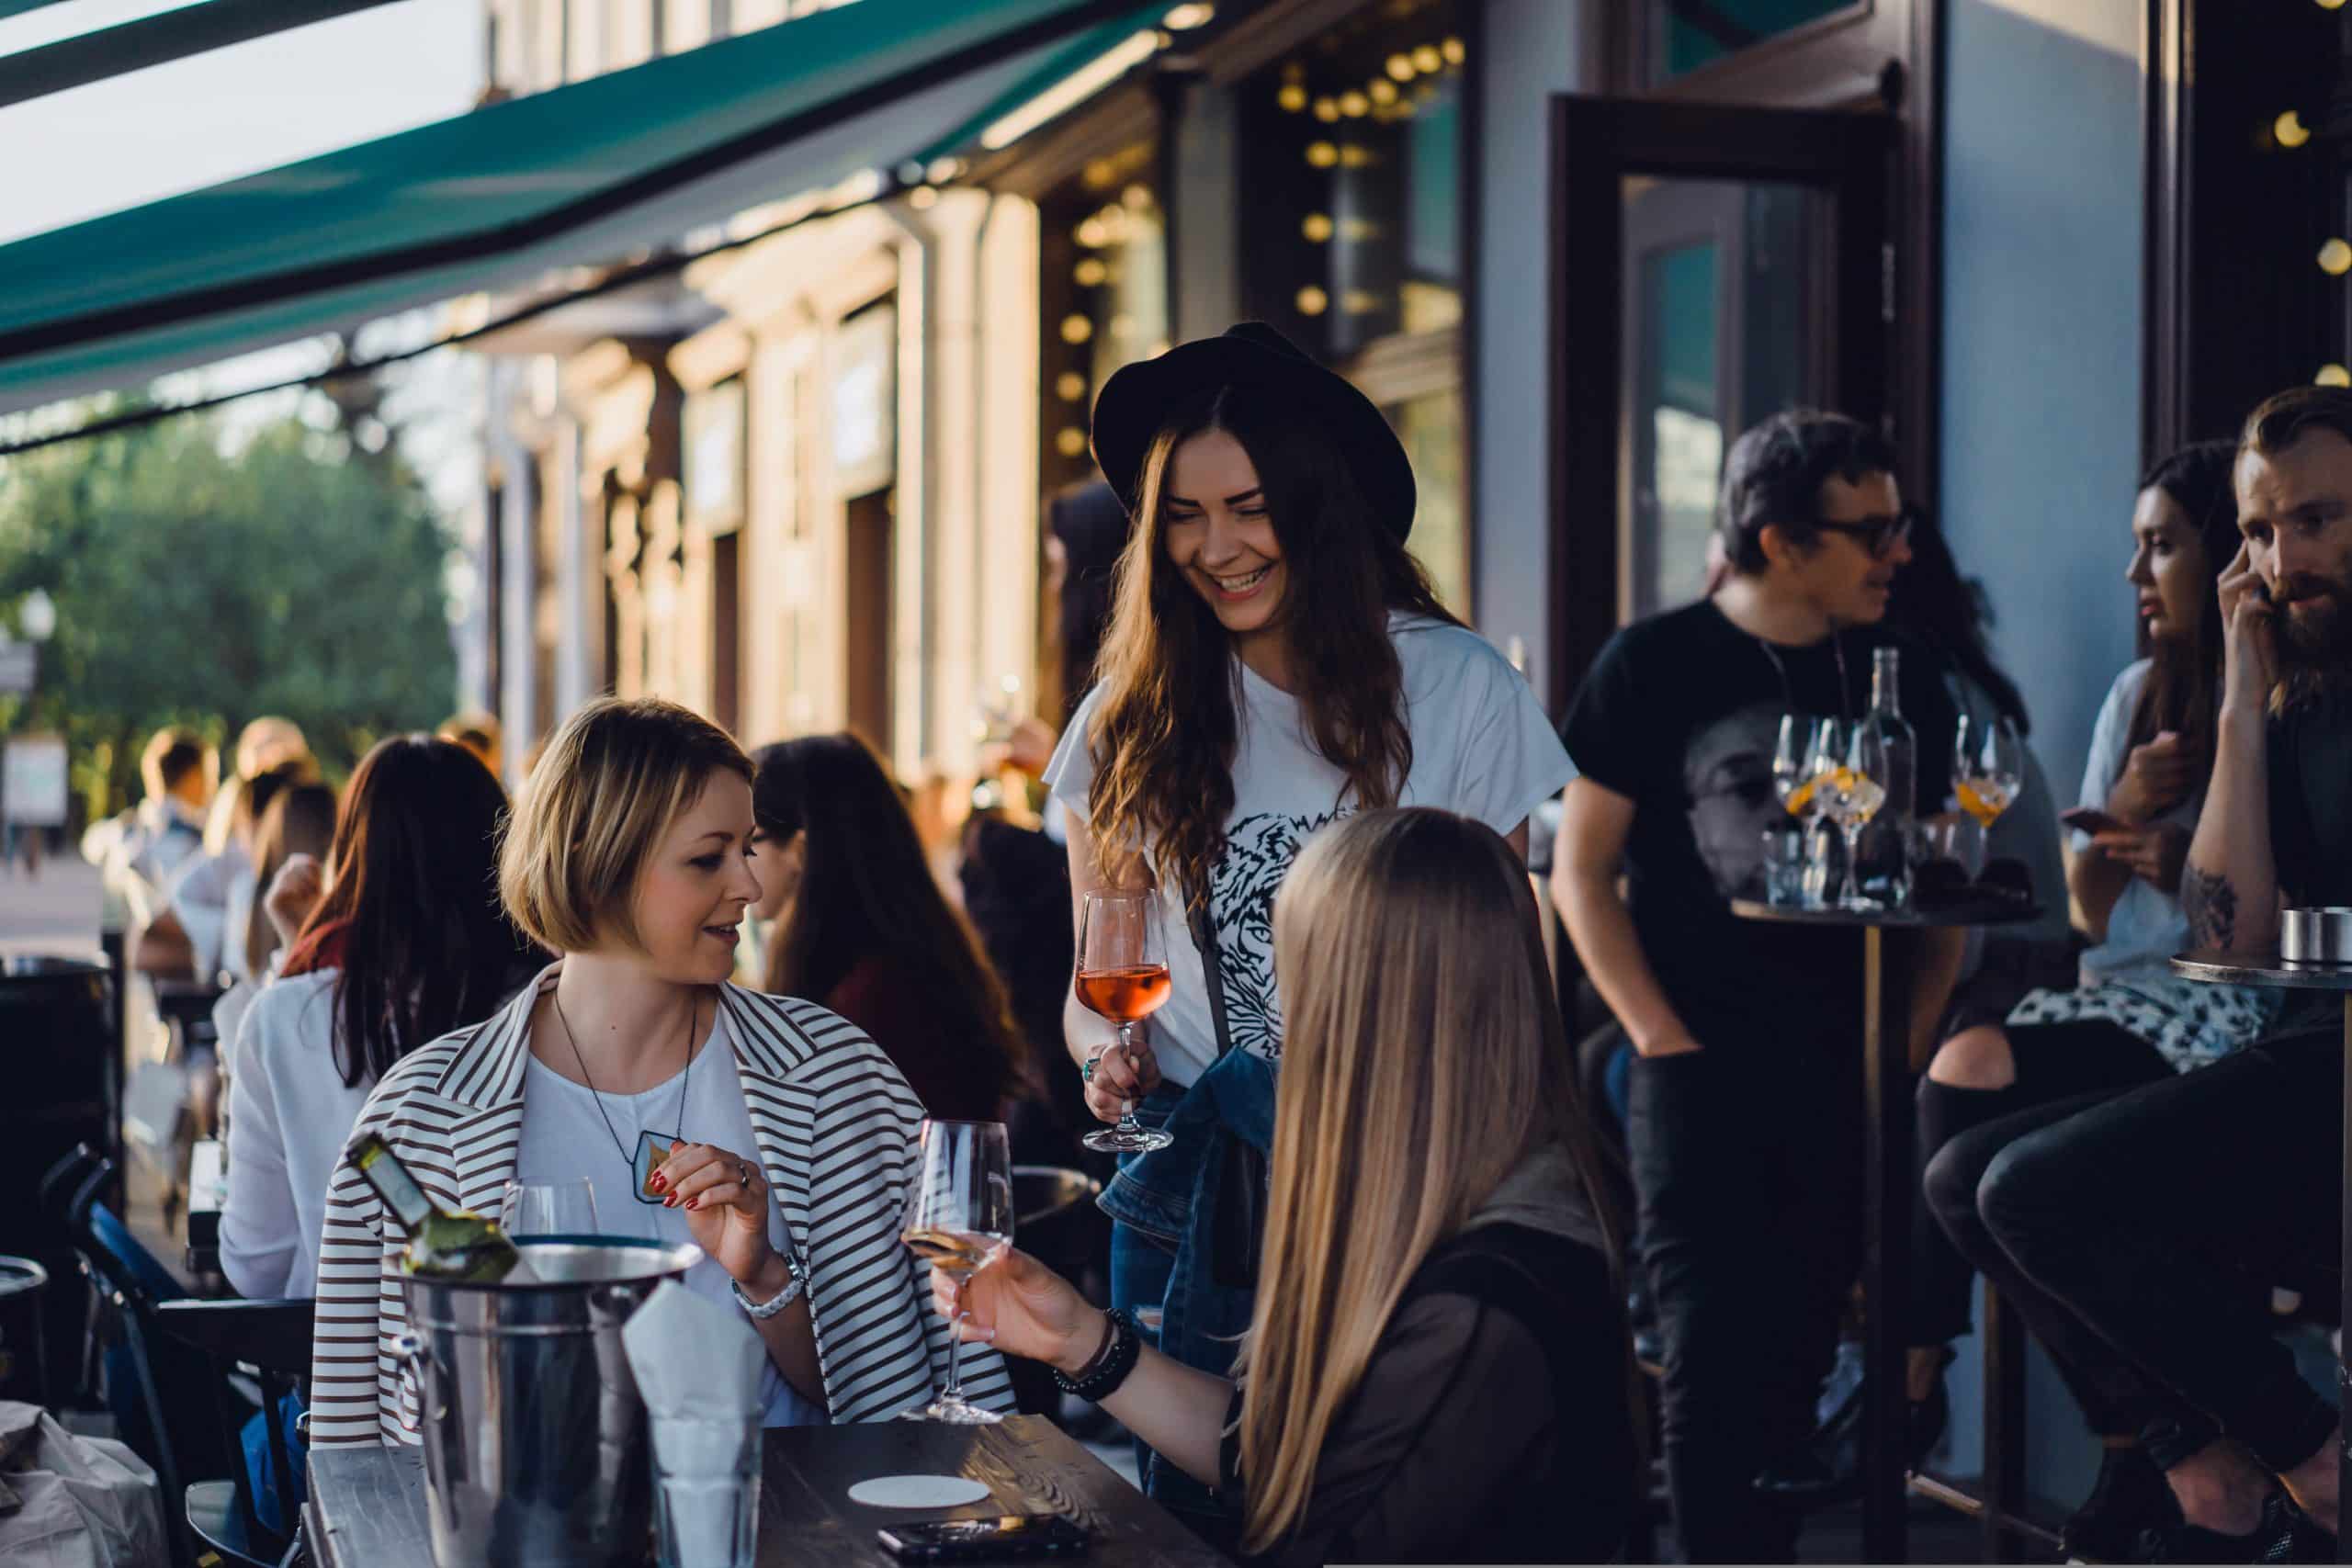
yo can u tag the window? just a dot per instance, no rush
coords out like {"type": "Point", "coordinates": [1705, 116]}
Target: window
{"type": "Point", "coordinates": [1681, 36]}
{"type": "Point", "coordinates": [1354, 236]}
{"type": "Point", "coordinates": [1104, 292]}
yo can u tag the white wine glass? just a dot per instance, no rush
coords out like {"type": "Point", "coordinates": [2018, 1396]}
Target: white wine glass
{"type": "Point", "coordinates": [550, 1208]}
{"type": "Point", "coordinates": [958, 1209]}
{"type": "Point", "coordinates": [1123, 976]}
{"type": "Point", "coordinates": [1987, 766]}
{"type": "Point", "coordinates": [1792, 769]}
{"type": "Point", "coordinates": [1850, 760]}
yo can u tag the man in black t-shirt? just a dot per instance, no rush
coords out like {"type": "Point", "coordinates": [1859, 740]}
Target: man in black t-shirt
{"type": "Point", "coordinates": [2149, 1216]}
{"type": "Point", "coordinates": [1745, 1127]}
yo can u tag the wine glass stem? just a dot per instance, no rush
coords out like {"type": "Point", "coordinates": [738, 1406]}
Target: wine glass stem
{"type": "Point", "coordinates": [953, 1395]}
{"type": "Point", "coordinates": [1128, 1122]}
{"type": "Point", "coordinates": [1852, 831]}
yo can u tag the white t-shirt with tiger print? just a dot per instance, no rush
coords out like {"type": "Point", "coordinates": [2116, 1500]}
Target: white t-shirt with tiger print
{"type": "Point", "coordinates": [1482, 747]}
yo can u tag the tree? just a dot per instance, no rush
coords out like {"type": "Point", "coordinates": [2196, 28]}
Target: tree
{"type": "Point", "coordinates": [294, 575]}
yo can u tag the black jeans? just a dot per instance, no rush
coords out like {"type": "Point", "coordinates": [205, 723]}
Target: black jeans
{"type": "Point", "coordinates": [1748, 1157]}
{"type": "Point", "coordinates": [2154, 1216]}
{"type": "Point", "coordinates": [2090, 1062]}
{"type": "Point", "coordinates": [2062, 1069]}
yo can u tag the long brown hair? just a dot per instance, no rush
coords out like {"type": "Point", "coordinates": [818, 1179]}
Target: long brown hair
{"type": "Point", "coordinates": [1419, 1010]}
{"type": "Point", "coordinates": [413, 888]}
{"type": "Point", "coordinates": [2183, 686]}
{"type": "Point", "coordinates": [1164, 737]}
{"type": "Point", "coordinates": [298, 821]}
{"type": "Point", "coordinates": [866, 891]}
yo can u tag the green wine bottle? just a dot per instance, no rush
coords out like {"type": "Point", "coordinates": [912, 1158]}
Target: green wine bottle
{"type": "Point", "coordinates": [442, 1244]}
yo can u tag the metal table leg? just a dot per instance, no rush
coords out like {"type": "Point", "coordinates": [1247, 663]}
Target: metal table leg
{"type": "Point", "coordinates": [2343, 1377]}
{"type": "Point", "coordinates": [1886, 1255]}
{"type": "Point", "coordinates": [2004, 1482]}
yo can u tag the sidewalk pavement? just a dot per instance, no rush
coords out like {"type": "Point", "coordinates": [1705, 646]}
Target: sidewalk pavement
{"type": "Point", "coordinates": [54, 912]}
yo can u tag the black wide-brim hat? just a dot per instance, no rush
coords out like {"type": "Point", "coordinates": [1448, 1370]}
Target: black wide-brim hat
{"type": "Point", "coordinates": [1138, 398]}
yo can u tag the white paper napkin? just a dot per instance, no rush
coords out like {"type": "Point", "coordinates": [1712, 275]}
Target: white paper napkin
{"type": "Point", "coordinates": [693, 1357]}
{"type": "Point", "coordinates": [698, 1365]}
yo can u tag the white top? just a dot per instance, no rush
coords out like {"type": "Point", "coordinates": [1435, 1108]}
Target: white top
{"type": "Point", "coordinates": [289, 1115]}
{"type": "Point", "coordinates": [566, 1138]}
{"type": "Point", "coordinates": [205, 898]}
{"type": "Point", "coordinates": [2146, 927]}
{"type": "Point", "coordinates": [1481, 746]}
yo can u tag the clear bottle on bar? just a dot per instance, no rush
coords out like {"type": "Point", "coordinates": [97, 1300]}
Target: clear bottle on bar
{"type": "Point", "coordinates": [443, 1244]}
{"type": "Point", "coordinates": [1885, 868]}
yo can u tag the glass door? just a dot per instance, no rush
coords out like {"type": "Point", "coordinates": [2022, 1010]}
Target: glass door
{"type": "Point", "coordinates": [1711, 265]}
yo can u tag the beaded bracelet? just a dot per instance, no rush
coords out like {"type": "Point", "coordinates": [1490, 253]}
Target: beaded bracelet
{"type": "Point", "coordinates": [1101, 1376]}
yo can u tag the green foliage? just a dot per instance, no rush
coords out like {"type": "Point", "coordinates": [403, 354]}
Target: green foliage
{"type": "Point", "coordinates": [297, 576]}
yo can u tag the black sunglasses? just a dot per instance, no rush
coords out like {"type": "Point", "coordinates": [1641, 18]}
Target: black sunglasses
{"type": "Point", "coordinates": [1879, 536]}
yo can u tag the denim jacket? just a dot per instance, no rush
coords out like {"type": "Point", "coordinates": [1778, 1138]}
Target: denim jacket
{"type": "Point", "coordinates": [1170, 1195]}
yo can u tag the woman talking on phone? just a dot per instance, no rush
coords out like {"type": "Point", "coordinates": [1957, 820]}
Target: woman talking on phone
{"type": "Point", "coordinates": [1436, 1368]}
{"type": "Point", "coordinates": [1276, 661]}
{"type": "Point", "coordinates": [2128, 1021]}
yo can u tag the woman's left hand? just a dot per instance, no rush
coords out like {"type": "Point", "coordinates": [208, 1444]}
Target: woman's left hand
{"type": "Point", "coordinates": [726, 1200]}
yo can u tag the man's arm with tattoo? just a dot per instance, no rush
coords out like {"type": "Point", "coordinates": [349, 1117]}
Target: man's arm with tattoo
{"type": "Point", "coordinates": [2229, 889]}
{"type": "Point", "coordinates": [2211, 906]}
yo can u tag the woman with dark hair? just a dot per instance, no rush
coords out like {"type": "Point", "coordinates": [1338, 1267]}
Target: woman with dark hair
{"type": "Point", "coordinates": [407, 944]}
{"type": "Point", "coordinates": [1276, 659]}
{"type": "Point", "coordinates": [295, 832]}
{"type": "Point", "coordinates": [861, 928]}
{"type": "Point", "coordinates": [2127, 1021]}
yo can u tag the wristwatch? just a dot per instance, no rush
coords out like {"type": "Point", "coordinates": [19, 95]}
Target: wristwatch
{"type": "Point", "coordinates": [761, 1311]}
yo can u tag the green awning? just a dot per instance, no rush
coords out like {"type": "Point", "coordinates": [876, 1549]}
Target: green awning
{"type": "Point", "coordinates": [585, 173]}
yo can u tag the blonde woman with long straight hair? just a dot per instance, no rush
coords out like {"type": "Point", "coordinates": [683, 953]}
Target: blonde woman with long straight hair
{"type": "Point", "coordinates": [1436, 1368]}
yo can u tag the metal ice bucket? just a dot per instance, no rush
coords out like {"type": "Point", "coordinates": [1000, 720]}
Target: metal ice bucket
{"type": "Point", "coordinates": [536, 1445]}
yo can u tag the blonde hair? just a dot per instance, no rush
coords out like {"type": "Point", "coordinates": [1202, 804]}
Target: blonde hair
{"type": "Point", "coordinates": [612, 781]}
{"type": "Point", "coordinates": [1423, 1058]}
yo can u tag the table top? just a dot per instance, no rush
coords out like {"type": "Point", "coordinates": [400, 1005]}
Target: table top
{"type": "Point", "coordinates": [1989, 913]}
{"type": "Point", "coordinates": [366, 1507]}
{"type": "Point", "coordinates": [2228, 969]}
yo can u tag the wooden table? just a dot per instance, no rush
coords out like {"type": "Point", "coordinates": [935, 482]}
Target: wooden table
{"type": "Point", "coordinates": [1887, 1180]}
{"type": "Point", "coordinates": [366, 1507]}
{"type": "Point", "coordinates": [2222, 969]}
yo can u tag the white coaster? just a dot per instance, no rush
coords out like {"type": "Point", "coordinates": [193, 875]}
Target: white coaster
{"type": "Point", "coordinates": [918, 1491]}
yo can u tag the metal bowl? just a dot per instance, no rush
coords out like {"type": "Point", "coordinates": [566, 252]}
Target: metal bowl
{"type": "Point", "coordinates": [2316, 936]}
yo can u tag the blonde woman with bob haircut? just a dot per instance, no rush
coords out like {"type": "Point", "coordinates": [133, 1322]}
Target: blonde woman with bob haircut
{"type": "Point", "coordinates": [1437, 1366]}
{"type": "Point", "coordinates": [697, 1111]}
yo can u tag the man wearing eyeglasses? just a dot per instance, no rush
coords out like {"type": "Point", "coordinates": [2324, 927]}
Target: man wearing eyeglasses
{"type": "Point", "coordinates": [1744, 1121]}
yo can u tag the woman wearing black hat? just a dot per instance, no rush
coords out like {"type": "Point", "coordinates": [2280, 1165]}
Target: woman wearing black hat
{"type": "Point", "coordinates": [1276, 661]}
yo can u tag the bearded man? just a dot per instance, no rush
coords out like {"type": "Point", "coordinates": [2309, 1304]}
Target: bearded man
{"type": "Point", "coordinates": [2151, 1216]}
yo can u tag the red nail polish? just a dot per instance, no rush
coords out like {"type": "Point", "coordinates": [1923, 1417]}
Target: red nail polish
{"type": "Point", "coordinates": [670, 1201]}
{"type": "Point", "coordinates": [693, 1202]}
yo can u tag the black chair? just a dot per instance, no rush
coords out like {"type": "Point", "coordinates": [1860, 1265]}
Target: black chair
{"type": "Point", "coordinates": [1054, 1211]}
{"type": "Point", "coordinates": [273, 1339]}
{"type": "Point", "coordinates": [169, 1353]}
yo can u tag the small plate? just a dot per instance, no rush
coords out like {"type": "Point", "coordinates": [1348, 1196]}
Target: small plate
{"type": "Point", "coordinates": [918, 1491]}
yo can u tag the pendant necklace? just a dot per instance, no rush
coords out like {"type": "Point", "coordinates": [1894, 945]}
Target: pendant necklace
{"type": "Point", "coordinates": [651, 1150]}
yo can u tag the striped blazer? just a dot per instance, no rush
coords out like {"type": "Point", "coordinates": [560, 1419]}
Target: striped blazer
{"type": "Point", "coordinates": [836, 1128]}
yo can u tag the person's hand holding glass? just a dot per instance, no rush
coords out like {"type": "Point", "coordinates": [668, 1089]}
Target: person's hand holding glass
{"type": "Point", "coordinates": [1849, 771]}
{"type": "Point", "coordinates": [959, 1210]}
{"type": "Point", "coordinates": [1123, 976]}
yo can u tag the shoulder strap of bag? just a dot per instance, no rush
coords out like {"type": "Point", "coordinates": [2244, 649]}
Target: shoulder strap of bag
{"type": "Point", "coordinates": [1196, 916]}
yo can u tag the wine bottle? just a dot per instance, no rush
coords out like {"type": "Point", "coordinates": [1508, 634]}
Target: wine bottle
{"type": "Point", "coordinates": [443, 1244]}
{"type": "Point", "coordinates": [1886, 869]}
